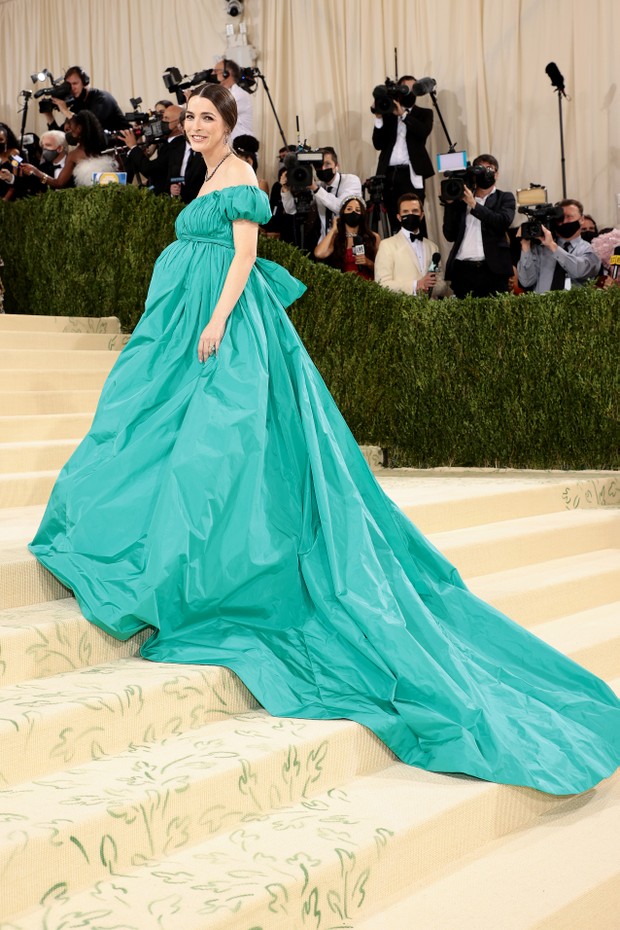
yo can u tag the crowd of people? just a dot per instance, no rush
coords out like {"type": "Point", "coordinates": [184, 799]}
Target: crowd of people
{"type": "Point", "coordinates": [383, 238]}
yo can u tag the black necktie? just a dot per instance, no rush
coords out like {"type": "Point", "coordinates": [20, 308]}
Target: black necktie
{"type": "Point", "coordinates": [559, 274]}
{"type": "Point", "coordinates": [328, 213]}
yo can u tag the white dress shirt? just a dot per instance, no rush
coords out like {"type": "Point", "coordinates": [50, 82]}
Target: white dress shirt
{"type": "Point", "coordinates": [245, 114]}
{"type": "Point", "coordinates": [340, 187]}
{"type": "Point", "coordinates": [471, 249]}
{"type": "Point", "coordinates": [400, 153]}
{"type": "Point", "coordinates": [418, 247]}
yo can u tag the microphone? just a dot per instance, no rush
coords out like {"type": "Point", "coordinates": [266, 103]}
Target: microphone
{"type": "Point", "coordinates": [433, 268]}
{"type": "Point", "coordinates": [425, 85]}
{"type": "Point", "coordinates": [358, 246]}
{"type": "Point", "coordinates": [614, 264]}
{"type": "Point", "coordinates": [555, 77]}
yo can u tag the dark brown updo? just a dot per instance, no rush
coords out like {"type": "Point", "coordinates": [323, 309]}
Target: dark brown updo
{"type": "Point", "coordinates": [222, 100]}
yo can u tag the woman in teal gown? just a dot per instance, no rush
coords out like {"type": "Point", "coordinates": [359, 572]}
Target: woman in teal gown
{"type": "Point", "coordinates": [221, 501]}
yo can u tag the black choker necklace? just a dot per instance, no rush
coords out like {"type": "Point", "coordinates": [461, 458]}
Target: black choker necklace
{"type": "Point", "coordinates": [209, 176]}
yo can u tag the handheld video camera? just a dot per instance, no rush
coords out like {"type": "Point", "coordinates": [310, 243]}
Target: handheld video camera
{"type": "Point", "coordinates": [176, 82]}
{"type": "Point", "coordinates": [386, 95]}
{"type": "Point", "coordinates": [60, 89]}
{"type": "Point", "coordinates": [299, 168]}
{"type": "Point", "coordinates": [532, 202]}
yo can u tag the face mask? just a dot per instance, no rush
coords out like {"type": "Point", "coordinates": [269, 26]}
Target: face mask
{"type": "Point", "coordinates": [2, 146]}
{"type": "Point", "coordinates": [410, 222]}
{"type": "Point", "coordinates": [48, 155]}
{"type": "Point", "coordinates": [352, 219]}
{"type": "Point", "coordinates": [588, 235]}
{"type": "Point", "coordinates": [325, 174]}
{"type": "Point", "coordinates": [486, 180]}
{"type": "Point", "coordinates": [566, 230]}
{"type": "Point", "coordinates": [71, 139]}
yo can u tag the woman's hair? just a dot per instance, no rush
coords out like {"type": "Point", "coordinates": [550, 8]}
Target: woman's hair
{"type": "Point", "coordinates": [247, 147]}
{"type": "Point", "coordinates": [364, 231]}
{"type": "Point", "coordinates": [92, 138]}
{"type": "Point", "coordinates": [222, 100]}
{"type": "Point", "coordinates": [11, 139]}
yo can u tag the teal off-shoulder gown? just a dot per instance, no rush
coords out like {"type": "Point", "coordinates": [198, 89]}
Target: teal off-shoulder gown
{"type": "Point", "coordinates": [227, 507]}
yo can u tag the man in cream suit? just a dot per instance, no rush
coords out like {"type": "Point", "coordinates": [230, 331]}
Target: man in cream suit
{"type": "Point", "coordinates": [403, 261]}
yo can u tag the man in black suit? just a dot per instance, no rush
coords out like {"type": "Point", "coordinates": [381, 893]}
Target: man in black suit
{"type": "Point", "coordinates": [167, 166]}
{"type": "Point", "coordinates": [480, 262]}
{"type": "Point", "coordinates": [400, 136]}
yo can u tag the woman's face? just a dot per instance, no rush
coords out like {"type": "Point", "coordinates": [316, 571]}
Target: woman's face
{"type": "Point", "coordinates": [353, 206]}
{"type": "Point", "coordinates": [204, 126]}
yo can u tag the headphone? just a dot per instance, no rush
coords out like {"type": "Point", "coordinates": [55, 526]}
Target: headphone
{"type": "Point", "coordinates": [84, 78]}
{"type": "Point", "coordinates": [225, 73]}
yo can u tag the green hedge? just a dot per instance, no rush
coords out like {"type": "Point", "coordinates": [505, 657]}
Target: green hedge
{"type": "Point", "coordinates": [530, 381]}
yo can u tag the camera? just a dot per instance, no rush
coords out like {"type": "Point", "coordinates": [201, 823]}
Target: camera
{"type": "Point", "coordinates": [148, 128]}
{"type": "Point", "coordinates": [60, 89]}
{"type": "Point", "coordinates": [176, 82]}
{"type": "Point", "coordinates": [532, 202]}
{"type": "Point", "coordinates": [299, 169]}
{"type": "Point", "coordinates": [454, 182]}
{"type": "Point", "coordinates": [374, 186]}
{"type": "Point", "coordinates": [386, 95]}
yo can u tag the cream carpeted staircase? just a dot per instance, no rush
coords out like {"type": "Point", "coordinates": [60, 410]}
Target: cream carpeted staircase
{"type": "Point", "coordinates": [137, 796]}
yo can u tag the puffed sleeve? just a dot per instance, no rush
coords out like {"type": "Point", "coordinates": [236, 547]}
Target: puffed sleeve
{"type": "Point", "coordinates": [245, 202]}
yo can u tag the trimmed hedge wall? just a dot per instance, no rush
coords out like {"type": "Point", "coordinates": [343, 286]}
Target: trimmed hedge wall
{"type": "Point", "coordinates": [530, 381]}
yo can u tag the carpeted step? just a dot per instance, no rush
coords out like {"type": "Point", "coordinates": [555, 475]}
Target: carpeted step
{"type": "Point", "coordinates": [53, 637]}
{"type": "Point", "coordinates": [23, 489]}
{"type": "Point", "coordinates": [548, 590]}
{"type": "Point", "coordinates": [39, 359]}
{"type": "Point", "coordinates": [589, 637]}
{"type": "Point", "coordinates": [44, 426]}
{"type": "Point", "coordinates": [563, 873]}
{"type": "Point", "coordinates": [23, 581]}
{"type": "Point", "coordinates": [51, 342]}
{"type": "Point", "coordinates": [452, 498]}
{"type": "Point", "coordinates": [158, 799]}
{"type": "Point", "coordinates": [53, 379]}
{"type": "Point", "coordinates": [54, 723]}
{"type": "Point", "coordinates": [512, 543]}
{"type": "Point", "coordinates": [325, 861]}
{"type": "Point", "coordinates": [59, 324]}
{"type": "Point", "coordinates": [42, 455]}
{"type": "Point", "coordinates": [14, 403]}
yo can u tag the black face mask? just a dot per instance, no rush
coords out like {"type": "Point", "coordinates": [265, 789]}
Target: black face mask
{"type": "Point", "coordinates": [486, 180]}
{"type": "Point", "coordinates": [352, 219]}
{"type": "Point", "coordinates": [566, 230]}
{"type": "Point", "coordinates": [49, 155]}
{"type": "Point", "coordinates": [588, 235]}
{"type": "Point", "coordinates": [2, 147]}
{"type": "Point", "coordinates": [325, 174]}
{"type": "Point", "coordinates": [71, 139]}
{"type": "Point", "coordinates": [410, 222]}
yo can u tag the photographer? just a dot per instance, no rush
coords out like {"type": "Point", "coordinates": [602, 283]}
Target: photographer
{"type": "Point", "coordinates": [99, 102]}
{"type": "Point", "coordinates": [170, 160]}
{"type": "Point", "coordinates": [480, 262]}
{"type": "Point", "coordinates": [560, 259]}
{"type": "Point", "coordinates": [228, 74]}
{"type": "Point", "coordinates": [328, 191]}
{"type": "Point", "coordinates": [400, 135]}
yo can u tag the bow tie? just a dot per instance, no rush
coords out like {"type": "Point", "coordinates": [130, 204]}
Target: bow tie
{"type": "Point", "coordinates": [414, 236]}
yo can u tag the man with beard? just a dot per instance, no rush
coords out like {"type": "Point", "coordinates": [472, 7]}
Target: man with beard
{"type": "Point", "coordinates": [100, 103]}
{"type": "Point", "coordinates": [480, 262]}
{"type": "Point", "coordinates": [559, 260]}
{"type": "Point", "coordinates": [404, 260]}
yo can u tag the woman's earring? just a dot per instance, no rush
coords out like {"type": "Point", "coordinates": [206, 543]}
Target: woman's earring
{"type": "Point", "coordinates": [227, 138]}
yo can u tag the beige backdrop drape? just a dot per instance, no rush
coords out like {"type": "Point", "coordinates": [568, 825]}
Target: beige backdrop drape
{"type": "Point", "coordinates": [321, 59]}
